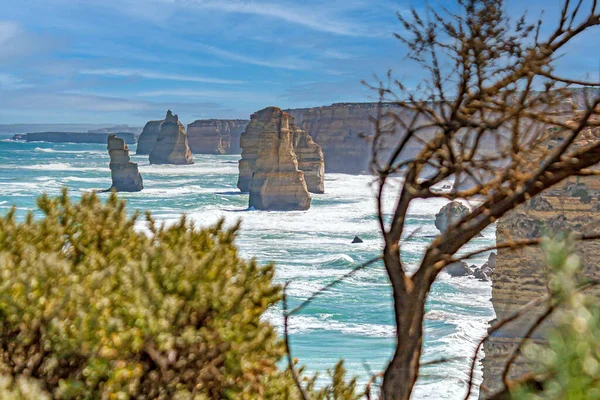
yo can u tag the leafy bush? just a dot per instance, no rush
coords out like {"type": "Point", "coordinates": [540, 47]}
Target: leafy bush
{"type": "Point", "coordinates": [21, 389]}
{"type": "Point", "coordinates": [96, 309]}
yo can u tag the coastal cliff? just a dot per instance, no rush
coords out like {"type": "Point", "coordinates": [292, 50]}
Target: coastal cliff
{"type": "Point", "coordinates": [344, 131]}
{"type": "Point", "coordinates": [124, 173]}
{"type": "Point", "coordinates": [337, 129]}
{"type": "Point", "coordinates": [520, 275]}
{"type": "Point", "coordinates": [276, 182]}
{"type": "Point", "coordinates": [215, 136]}
{"type": "Point", "coordinates": [171, 145]}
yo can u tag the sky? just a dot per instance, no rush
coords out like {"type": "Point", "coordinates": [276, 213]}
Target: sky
{"type": "Point", "coordinates": [128, 61]}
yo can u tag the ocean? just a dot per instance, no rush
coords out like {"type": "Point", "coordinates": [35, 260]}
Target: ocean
{"type": "Point", "coordinates": [310, 248]}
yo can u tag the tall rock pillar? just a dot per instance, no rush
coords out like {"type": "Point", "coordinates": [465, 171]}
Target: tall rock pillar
{"type": "Point", "coordinates": [124, 173]}
{"type": "Point", "coordinates": [276, 183]}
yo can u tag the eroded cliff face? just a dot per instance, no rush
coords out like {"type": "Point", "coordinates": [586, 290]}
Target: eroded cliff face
{"type": "Point", "coordinates": [337, 130]}
{"type": "Point", "coordinates": [520, 275]}
{"type": "Point", "coordinates": [345, 131]}
{"type": "Point", "coordinates": [124, 173]}
{"type": "Point", "coordinates": [148, 137]}
{"type": "Point", "coordinates": [215, 136]}
{"type": "Point", "coordinates": [171, 145]}
{"type": "Point", "coordinates": [276, 182]}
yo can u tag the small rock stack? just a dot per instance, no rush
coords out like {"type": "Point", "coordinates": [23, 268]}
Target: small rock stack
{"type": "Point", "coordinates": [310, 159]}
{"type": "Point", "coordinates": [124, 173]}
{"type": "Point", "coordinates": [171, 145]}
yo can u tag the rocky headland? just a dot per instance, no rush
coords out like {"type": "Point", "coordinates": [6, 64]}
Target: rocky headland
{"type": "Point", "coordinates": [171, 145]}
{"type": "Point", "coordinates": [73, 137]}
{"type": "Point", "coordinates": [215, 136]}
{"type": "Point", "coordinates": [275, 182]}
{"type": "Point", "coordinates": [520, 275]}
{"type": "Point", "coordinates": [125, 174]}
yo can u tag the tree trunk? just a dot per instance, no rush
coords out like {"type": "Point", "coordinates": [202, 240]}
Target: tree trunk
{"type": "Point", "coordinates": [403, 370]}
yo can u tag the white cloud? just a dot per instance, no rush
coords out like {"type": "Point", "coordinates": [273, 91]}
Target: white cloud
{"type": "Point", "coordinates": [239, 96]}
{"type": "Point", "coordinates": [127, 72]}
{"type": "Point", "coordinates": [8, 30]}
{"type": "Point", "coordinates": [17, 42]}
{"type": "Point", "coordinates": [10, 82]}
{"type": "Point", "coordinates": [287, 63]}
{"type": "Point", "coordinates": [309, 18]}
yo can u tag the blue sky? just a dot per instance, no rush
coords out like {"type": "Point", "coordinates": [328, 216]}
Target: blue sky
{"type": "Point", "coordinates": [127, 61]}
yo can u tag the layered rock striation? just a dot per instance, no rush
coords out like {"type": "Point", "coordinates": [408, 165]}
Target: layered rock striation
{"type": "Point", "coordinates": [345, 132]}
{"type": "Point", "coordinates": [520, 275]}
{"type": "Point", "coordinates": [171, 145]}
{"type": "Point", "coordinates": [216, 136]}
{"type": "Point", "coordinates": [276, 182]}
{"type": "Point", "coordinates": [309, 155]}
{"type": "Point", "coordinates": [125, 174]}
{"type": "Point", "coordinates": [337, 129]}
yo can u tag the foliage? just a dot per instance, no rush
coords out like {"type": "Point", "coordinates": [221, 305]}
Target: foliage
{"type": "Point", "coordinates": [570, 361]}
{"type": "Point", "coordinates": [21, 389]}
{"type": "Point", "coordinates": [94, 308]}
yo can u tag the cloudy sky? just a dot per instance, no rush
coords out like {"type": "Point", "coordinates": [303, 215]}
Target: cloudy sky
{"type": "Point", "coordinates": [127, 61]}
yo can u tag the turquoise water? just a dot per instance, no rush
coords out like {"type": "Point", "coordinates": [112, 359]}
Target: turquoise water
{"type": "Point", "coordinates": [310, 248]}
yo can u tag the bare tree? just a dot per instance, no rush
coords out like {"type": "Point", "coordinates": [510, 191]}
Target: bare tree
{"type": "Point", "coordinates": [495, 118]}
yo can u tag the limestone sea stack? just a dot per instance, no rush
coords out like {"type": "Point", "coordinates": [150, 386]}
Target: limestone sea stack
{"type": "Point", "coordinates": [171, 145]}
{"type": "Point", "coordinates": [309, 154]}
{"type": "Point", "coordinates": [310, 159]}
{"type": "Point", "coordinates": [276, 182]}
{"type": "Point", "coordinates": [148, 137]}
{"type": "Point", "coordinates": [249, 145]}
{"type": "Point", "coordinates": [215, 136]}
{"type": "Point", "coordinates": [124, 173]}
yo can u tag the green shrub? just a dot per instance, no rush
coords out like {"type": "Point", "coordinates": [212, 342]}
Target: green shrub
{"type": "Point", "coordinates": [21, 389]}
{"type": "Point", "coordinates": [96, 309]}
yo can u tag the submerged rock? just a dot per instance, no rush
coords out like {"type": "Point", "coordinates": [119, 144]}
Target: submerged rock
{"type": "Point", "coordinates": [450, 214]}
{"type": "Point", "coordinates": [276, 182]}
{"type": "Point", "coordinates": [171, 146]}
{"type": "Point", "coordinates": [357, 240]}
{"type": "Point", "coordinates": [125, 174]}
